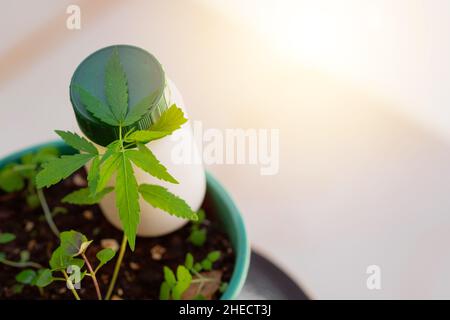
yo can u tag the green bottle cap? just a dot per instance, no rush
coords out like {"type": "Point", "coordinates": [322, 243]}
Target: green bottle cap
{"type": "Point", "coordinates": [145, 76]}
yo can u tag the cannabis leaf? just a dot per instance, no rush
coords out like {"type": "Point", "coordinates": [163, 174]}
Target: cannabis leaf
{"type": "Point", "coordinates": [146, 160]}
{"type": "Point", "coordinates": [169, 121]}
{"type": "Point", "coordinates": [127, 199]}
{"type": "Point", "coordinates": [60, 260]}
{"type": "Point", "coordinates": [107, 169]}
{"type": "Point", "coordinates": [60, 168]}
{"type": "Point", "coordinates": [96, 107]}
{"type": "Point", "coordinates": [116, 88]}
{"type": "Point", "coordinates": [137, 111]}
{"type": "Point", "coordinates": [93, 176]}
{"type": "Point", "coordinates": [79, 143]}
{"type": "Point", "coordinates": [161, 198]}
{"type": "Point", "coordinates": [84, 197]}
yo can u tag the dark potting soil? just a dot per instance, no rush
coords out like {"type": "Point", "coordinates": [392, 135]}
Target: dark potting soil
{"type": "Point", "coordinates": [141, 272]}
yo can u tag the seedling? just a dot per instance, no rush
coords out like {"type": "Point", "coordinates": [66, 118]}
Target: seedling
{"type": "Point", "coordinates": [16, 177]}
{"type": "Point", "coordinates": [173, 286]}
{"type": "Point", "coordinates": [198, 234]}
{"type": "Point", "coordinates": [118, 158]}
{"type": "Point", "coordinates": [24, 255]}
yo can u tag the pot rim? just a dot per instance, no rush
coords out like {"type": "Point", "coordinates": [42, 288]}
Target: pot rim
{"type": "Point", "coordinates": [241, 246]}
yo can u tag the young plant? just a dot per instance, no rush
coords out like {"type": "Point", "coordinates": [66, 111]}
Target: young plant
{"type": "Point", "coordinates": [118, 158]}
{"type": "Point", "coordinates": [198, 234]}
{"type": "Point", "coordinates": [24, 255]}
{"type": "Point", "coordinates": [17, 176]}
{"type": "Point", "coordinates": [173, 287]}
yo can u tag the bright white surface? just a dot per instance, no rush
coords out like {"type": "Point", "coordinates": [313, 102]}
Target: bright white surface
{"type": "Point", "coordinates": [359, 183]}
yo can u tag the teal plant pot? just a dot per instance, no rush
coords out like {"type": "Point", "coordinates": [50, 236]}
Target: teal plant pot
{"type": "Point", "coordinates": [222, 204]}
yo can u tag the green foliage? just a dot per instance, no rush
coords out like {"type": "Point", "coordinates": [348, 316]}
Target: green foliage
{"type": "Point", "coordinates": [57, 169]}
{"type": "Point", "coordinates": [60, 260]}
{"type": "Point", "coordinates": [73, 243]}
{"type": "Point", "coordinates": [173, 286]}
{"type": "Point", "coordinates": [105, 255]}
{"type": "Point", "coordinates": [198, 234]}
{"type": "Point", "coordinates": [85, 197]}
{"type": "Point", "coordinates": [10, 179]}
{"type": "Point", "coordinates": [77, 142]}
{"type": "Point", "coordinates": [171, 120]}
{"type": "Point", "coordinates": [41, 278]}
{"type": "Point", "coordinates": [127, 199]}
{"type": "Point", "coordinates": [6, 237]}
{"type": "Point", "coordinates": [116, 88]}
{"type": "Point", "coordinates": [26, 276]}
{"type": "Point", "coordinates": [146, 160]}
{"type": "Point", "coordinates": [96, 106]}
{"type": "Point", "coordinates": [161, 198]}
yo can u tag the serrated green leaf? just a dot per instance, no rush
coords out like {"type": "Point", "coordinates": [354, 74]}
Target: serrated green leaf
{"type": "Point", "coordinates": [6, 237]}
{"type": "Point", "coordinates": [73, 243]}
{"type": "Point", "coordinates": [145, 136]}
{"type": "Point", "coordinates": [57, 169]}
{"type": "Point", "coordinates": [160, 197]}
{"type": "Point", "coordinates": [43, 278]}
{"type": "Point", "coordinates": [146, 160]}
{"type": "Point", "coordinates": [170, 120]}
{"type": "Point", "coordinates": [11, 180]}
{"type": "Point", "coordinates": [26, 276]}
{"type": "Point", "coordinates": [93, 175]}
{"type": "Point", "coordinates": [164, 291]}
{"type": "Point", "coordinates": [83, 196]}
{"type": "Point", "coordinates": [169, 277]}
{"type": "Point", "coordinates": [109, 166]}
{"type": "Point", "coordinates": [105, 255]}
{"type": "Point", "coordinates": [112, 148]}
{"type": "Point", "coordinates": [77, 142]}
{"type": "Point", "coordinates": [116, 88]}
{"type": "Point", "coordinates": [127, 199]}
{"type": "Point", "coordinates": [96, 107]}
{"type": "Point", "coordinates": [139, 109]}
{"type": "Point", "coordinates": [213, 256]}
{"type": "Point", "coordinates": [59, 260]}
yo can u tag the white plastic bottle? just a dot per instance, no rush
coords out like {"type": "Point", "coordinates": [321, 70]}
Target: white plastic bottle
{"type": "Point", "coordinates": [191, 176]}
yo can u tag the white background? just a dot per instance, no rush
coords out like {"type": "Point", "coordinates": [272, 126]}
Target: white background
{"type": "Point", "coordinates": [358, 89]}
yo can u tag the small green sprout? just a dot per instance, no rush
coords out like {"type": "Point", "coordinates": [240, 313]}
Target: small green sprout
{"type": "Point", "coordinates": [17, 176]}
{"type": "Point", "coordinates": [198, 234]}
{"type": "Point", "coordinates": [187, 274]}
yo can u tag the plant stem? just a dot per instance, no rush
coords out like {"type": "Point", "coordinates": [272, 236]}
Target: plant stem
{"type": "Point", "coordinates": [94, 278]}
{"type": "Point", "coordinates": [123, 247]}
{"type": "Point", "coordinates": [47, 212]}
{"type": "Point", "coordinates": [21, 264]}
{"type": "Point", "coordinates": [73, 289]}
